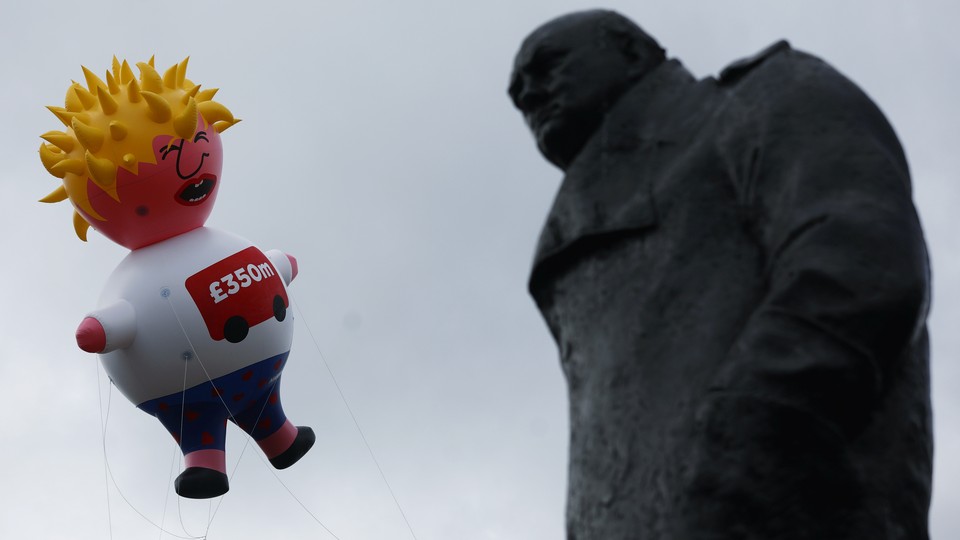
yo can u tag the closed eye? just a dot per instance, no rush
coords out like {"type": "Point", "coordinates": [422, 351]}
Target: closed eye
{"type": "Point", "coordinates": [201, 135]}
{"type": "Point", "coordinates": [167, 149]}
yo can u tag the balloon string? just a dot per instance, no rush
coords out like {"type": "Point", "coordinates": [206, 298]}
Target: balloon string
{"type": "Point", "coordinates": [246, 444]}
{"type": "Point", "coordinates": [355, 422]}
{"type": "Point", "coordinates": [166, 498]}
{"type": "Point", "coordinates": [113, 479]}
{"type": "Point", "coordinates": [197, 356]}
{"type": "Point", "coordinates": [183, 405]}
{"type": "Point", "coordinates": [307, 510]}
{"type": "Point", "coordinates": [103, 443]}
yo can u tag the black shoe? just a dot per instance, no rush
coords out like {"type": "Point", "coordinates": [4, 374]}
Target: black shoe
{"type": "Point", "coordinates": [201, 483]}
{"type": "Point", "coordinates": [303, 443]}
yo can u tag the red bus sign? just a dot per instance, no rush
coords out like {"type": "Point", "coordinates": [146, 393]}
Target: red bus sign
{"type": "Point", "coordinates": [238, 293]}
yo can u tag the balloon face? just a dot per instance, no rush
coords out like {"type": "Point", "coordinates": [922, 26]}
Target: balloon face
{"type": "Point", "coordinates": [170, 197]}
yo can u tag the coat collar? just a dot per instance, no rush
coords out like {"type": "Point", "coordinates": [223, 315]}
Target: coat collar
{"type": "Point", "coordinates": [607, 187]}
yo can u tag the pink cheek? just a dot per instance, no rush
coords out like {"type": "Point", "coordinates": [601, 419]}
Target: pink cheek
{"type": "Point", "coordinates": [192, 155]}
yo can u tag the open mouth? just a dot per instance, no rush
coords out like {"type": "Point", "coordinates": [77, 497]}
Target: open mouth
{"type": "Point", "coordinates": [197, 190]}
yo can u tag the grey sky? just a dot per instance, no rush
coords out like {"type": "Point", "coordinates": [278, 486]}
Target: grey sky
{"type": "Point", "coordinates": [379, 147]}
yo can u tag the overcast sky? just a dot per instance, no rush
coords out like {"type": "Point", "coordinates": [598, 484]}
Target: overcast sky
{"type": "Point", "coordinates": [379, 147]}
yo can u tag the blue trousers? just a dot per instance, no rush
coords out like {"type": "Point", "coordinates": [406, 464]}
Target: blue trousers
{"type": "Point", "coordinates": [250, 397]}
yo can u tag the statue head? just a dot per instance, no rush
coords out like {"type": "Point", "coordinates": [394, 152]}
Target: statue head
{"type": "Point", "coordinates": [571, 70]}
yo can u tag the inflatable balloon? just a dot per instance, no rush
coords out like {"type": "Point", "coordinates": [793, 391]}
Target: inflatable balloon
{"type": "Point", "coordinates": [192, 326]}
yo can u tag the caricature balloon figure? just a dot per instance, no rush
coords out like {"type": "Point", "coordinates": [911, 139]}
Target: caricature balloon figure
{"type": "Point", "coordinates": [192, 326]}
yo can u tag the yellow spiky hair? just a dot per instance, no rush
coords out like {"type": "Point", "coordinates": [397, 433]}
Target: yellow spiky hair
{"type": "Point", "coordinates": [112, 124]}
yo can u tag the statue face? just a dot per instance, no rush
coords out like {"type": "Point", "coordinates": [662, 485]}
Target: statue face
{"type": "Point", "coordinates": [565, 77]}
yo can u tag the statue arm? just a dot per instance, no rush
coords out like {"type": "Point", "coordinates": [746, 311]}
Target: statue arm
{"type": "Point", "coordinates": [846, 277]}
{"type": "Point", "coordinates": [846, 266]}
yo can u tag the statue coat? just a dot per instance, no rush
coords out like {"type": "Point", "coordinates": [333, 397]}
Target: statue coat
{"type": "Point", "coordinates": [737, 281]}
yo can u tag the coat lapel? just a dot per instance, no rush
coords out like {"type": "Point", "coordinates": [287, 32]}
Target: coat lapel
{"type": "Point", "coordinates": [609, 187]}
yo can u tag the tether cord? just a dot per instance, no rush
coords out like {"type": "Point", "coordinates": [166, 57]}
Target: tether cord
{"type": "Point", "coordinates": [183, 406]}
{"type": "Point", "coordinates": [166, 491]}
{"type": "Point", "coordinates": [307, 510]}
{"type": "Point", "coordinates": [183, 398]}
{"type": "Point", "coordinates": [354, 418]}
{"type": "Point", "coordinates": [106, 463]}
{"type": "Point", "coordinates": [220, 397]}
{"type": "Point", "coordinates": [269, 468]}
{"type": "Point", "coordinates": [103, 444]}
{"type": "Point", "coordinates": [356, 423]}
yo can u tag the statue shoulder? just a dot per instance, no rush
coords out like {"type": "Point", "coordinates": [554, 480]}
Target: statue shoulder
{"type": "Point", "coordinates": [783, 81]}
{"type": "Point", "coordinates": [735, 71]}
{"type": "Point", "coordinates": [786, 82]}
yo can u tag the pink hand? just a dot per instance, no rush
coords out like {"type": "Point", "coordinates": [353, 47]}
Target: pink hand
{"type": "Point", "coordinates": [90, 335]}
{"type": "Point", "coordinates": [293, 266]}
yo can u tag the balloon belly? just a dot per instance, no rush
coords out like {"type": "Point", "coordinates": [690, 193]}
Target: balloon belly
{"type": "Point", "coordinates": [207, 303]}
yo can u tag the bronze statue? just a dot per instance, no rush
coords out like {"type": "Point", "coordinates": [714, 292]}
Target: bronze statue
{"type": "Point", "coordinates": [737, 282]}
